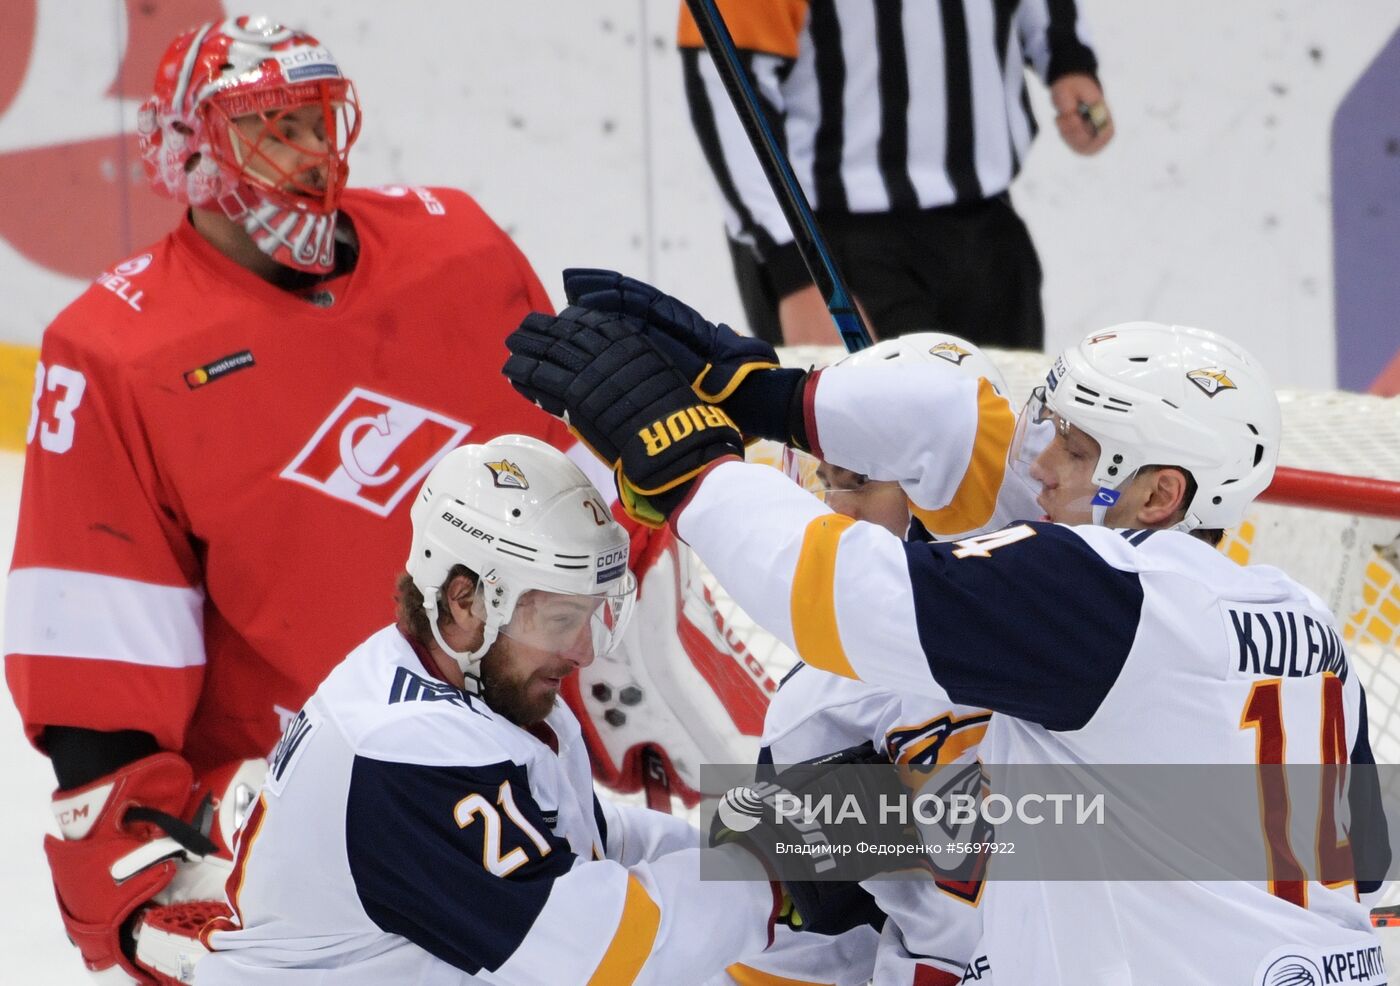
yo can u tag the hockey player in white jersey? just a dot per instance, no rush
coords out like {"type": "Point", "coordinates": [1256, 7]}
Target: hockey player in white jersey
{"type": "Point", "coordinates": [931, 931]}
{"type": "Point", "coordinates": [429, 815]}
{"type": "Point", "coordinates": [1110, 632]}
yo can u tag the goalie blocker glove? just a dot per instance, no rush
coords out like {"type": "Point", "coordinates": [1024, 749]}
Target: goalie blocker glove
{"type": "Point", "coordinates": [134, 881]}
{"type": "Point", "coordinates": [739, 373]}
{"type": "Point", "coordinates": [624, 398]}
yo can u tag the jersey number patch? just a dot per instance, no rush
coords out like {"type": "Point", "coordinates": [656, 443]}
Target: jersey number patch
{"type": "Point", "coordinates": [55, 433]}
{"type": "Point", "coordinates": [983, 545]}
{"type": "Point", "coordinates": [1263, 712]}
{"type": "Point", "coordinates": [474, 807]}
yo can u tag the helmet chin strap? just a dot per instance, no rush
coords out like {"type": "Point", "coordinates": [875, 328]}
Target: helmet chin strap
{"type": "Point", "coordinates": [468, 661]}
{"type": "Point", "coordinates": [1104, 499]}
{"type": "Point", "coordinates": [1186, 524]}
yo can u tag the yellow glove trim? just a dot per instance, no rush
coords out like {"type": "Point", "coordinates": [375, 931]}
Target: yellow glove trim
{"type": "Point", "coordinates": [610, 463]}
{"type": "Point", "coordinates": [635, 505]}
{"type": "Point", "coordinates": [739, 377]}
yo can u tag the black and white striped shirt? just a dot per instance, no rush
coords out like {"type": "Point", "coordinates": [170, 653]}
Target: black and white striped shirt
{"type": "Point", "coordinates": [884, 105]}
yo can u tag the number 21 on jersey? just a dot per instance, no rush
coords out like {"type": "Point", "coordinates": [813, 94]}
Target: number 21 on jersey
{"type": "Point", "coordinates": [474, 806]}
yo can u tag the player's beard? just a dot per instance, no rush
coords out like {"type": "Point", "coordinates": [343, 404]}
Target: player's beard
{"type": "Point", "coordinates": [521, 698]}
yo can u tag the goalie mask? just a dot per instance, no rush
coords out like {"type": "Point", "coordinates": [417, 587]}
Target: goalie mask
{"type": "Point", "coordinates": [1164, 395]}
{"type": "Point", "coordinates": [258, 120]}
{"type": "Point", "coordinates": [551, 563]}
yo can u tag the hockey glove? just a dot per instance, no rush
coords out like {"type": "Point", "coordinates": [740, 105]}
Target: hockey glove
{"type": "Point", "coordinates": [170, 934]}
{"type": "Point", "coordinates": [126, 858]}
{"type": "Point", "coordinates": [738, 372]}
{"type": "Point", "coordinates": [625, 400]}
{"type": "Point", "coordinates": [818, 897]}
{"type": "Point", "coordinates": [821, 884]}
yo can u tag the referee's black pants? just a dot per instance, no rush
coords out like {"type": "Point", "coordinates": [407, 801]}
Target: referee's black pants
{"type": "Point", "coordinates": [968, 269]}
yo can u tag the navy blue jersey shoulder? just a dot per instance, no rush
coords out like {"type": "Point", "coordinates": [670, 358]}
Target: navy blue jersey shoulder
{"type": "Point", "coordinates": [419, 864]}
{"type": "Point", "coordinates": [1036, 628]}
{"type": "Point", "coordinates": [1369, 833]}
{"type": "Point", "coordinates": [601, 820]}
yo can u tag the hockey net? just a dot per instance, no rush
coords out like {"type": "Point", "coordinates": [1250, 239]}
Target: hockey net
{"type": "Point", "coordinates": [1350, 559]}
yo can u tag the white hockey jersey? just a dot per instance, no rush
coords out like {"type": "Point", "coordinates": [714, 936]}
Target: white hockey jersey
{"type": "Point", "coordinates": [1095, 646]}
{"type": "Point", "coordinates": [406, 833]}
{"type": "Point", "coordinates": [930, 931]}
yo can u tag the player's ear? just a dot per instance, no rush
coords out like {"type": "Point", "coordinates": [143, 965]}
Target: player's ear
{"type": "Point", "coordinates": [1166, 498]}
{"type": "Point", "coordinates": [462, 605]}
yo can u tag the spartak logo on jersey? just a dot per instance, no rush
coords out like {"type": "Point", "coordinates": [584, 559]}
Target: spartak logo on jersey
{"type": "Point", "coordinates": [373, 450]}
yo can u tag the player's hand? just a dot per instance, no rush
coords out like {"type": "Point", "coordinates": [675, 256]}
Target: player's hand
{"type": "Point", "coordinates": [740, 373]}
{"type": "Point", "coordinates": [127, 856]}
{"type": "Point", "coordinates": [713, 357]}
{"type": "Point", "coordinates": [117, 854]}
{"type": "Point", "coordinates": [618, 392]}
{"type": "Point", "coordinates": [816, 897]}
{"type": "Point", "coordinates": [1081, 113]}
{"type": "Point", "coordinates": [828, 907]}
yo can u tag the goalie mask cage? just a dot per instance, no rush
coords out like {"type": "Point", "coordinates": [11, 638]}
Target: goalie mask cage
{"type": "Point", "coordinates": [1350, 559]}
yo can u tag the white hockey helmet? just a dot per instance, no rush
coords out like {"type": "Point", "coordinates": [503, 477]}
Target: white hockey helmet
{"type": "Point", "coordinates": [523, 517]}
{"type": "Point", "coordinates": [931, 347]}
{"type": "Point", "coordinates": [1170, 395]}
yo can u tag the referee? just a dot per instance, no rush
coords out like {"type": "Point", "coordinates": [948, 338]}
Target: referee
{"type": "Point", "coordinates": [905, 122]}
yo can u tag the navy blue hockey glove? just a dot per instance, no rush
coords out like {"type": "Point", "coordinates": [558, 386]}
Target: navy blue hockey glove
{"type": "Point", "coordinates": [740, 373]}
{"type": "Point", "coordinates": [625, 400]}
{"type": "Point", "coordinates": [822, 888]}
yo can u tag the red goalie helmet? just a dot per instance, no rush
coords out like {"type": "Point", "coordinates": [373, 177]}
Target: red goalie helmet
{"type": "Point", "coordinates": [258, 119]}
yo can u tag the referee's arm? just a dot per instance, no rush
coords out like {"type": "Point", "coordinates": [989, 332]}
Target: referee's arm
{"type": "Point", "coordinates": [1058, 46]}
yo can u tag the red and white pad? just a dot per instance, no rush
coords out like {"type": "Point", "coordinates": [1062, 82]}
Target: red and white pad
{"type": "Point", "coordinates": [681, 690]}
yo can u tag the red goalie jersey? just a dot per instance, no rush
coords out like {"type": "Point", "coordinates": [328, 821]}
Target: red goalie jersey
{"type": "Point", "coordinates": [219, 472]}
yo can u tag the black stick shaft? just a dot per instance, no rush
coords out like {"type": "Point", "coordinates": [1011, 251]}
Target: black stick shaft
{"type": "Point", "coordinates": [798, 212]}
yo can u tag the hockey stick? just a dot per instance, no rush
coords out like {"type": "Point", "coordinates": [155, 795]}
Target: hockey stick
{"type": "Point", "coordinates": [656, 785]}
{"type": "Point", "coordinates": [798, 212]}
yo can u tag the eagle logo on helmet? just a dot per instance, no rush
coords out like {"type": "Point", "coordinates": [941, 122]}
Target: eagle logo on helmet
{"type": "Point", "coordinates": [951, 352]}
{"type": "Point", "coordinates": [1211, 380]}
{"type": "Point", "coordinates": [507, 475]}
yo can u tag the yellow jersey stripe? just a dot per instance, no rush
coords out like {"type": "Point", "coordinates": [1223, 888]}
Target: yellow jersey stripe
{"type": "Point", "coordinates": [976, 499]}
{"type": "Point", "coordinates": [636, 934]}
{"type": "Point", "coordinates": [814, 627]}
